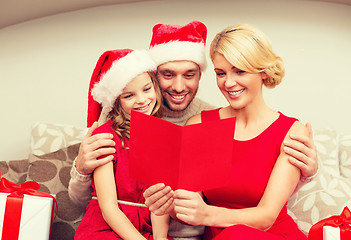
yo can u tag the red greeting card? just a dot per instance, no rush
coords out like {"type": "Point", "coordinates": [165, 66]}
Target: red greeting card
{"type": "Point", "coordinates": [195, 157]}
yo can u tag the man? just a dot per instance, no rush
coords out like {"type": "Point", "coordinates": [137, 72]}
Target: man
{"type": "Point", "coordinates": [179, 52]}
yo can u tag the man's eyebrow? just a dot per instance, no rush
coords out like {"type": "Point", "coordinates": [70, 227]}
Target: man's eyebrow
{"type": "Point", "coordinates": [192, 70]}
{"type": "Point", "coordinates": [165, 70]}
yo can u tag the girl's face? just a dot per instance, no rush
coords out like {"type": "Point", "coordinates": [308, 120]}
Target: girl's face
{"type": "Point", "coordinates": [139, 95]}
{"type": "Point", "coordinates": [240, 88]}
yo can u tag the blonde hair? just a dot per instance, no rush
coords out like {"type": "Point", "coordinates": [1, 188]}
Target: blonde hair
{"type": "Point", "coordinates": [121, 119]}
{"type": "Point", "coordinates": [250, 50]}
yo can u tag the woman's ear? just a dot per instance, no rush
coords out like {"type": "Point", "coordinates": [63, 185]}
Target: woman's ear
{"type": "Point", "coordinates": [264, 75]}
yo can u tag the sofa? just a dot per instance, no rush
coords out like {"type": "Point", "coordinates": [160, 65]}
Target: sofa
{"type": "Point", "coordinates": [53, 147]}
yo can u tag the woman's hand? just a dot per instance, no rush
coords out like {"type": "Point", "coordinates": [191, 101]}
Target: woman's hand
{"type": "Point", "coordinates": [93, 147]}
{"type": "Point", "coordinates": [159, 199]}
{"type": "Point", "coordinates": [190, 208]}
{"type": "Point", "coordinates": [303, 153]}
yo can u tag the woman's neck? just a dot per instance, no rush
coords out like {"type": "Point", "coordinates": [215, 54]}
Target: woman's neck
{"type": "Point", "coordinates": [250, 121]}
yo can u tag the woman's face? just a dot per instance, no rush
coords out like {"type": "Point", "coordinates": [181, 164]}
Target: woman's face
{"type": "Point", "coordinates": [139, 95]}
{"type": "Point", "coordinates": [240, 88]}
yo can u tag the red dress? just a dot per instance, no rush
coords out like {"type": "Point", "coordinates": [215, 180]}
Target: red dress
{"type": "Point", "coordinates": [93, 225]}
{"type": "Point", "coordinates": [254, 162]}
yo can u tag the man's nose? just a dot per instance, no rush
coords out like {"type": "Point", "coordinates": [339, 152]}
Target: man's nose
{"type": "Point", "coordinates": [178, 84]}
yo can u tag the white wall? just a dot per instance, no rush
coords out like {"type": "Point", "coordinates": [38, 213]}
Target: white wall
{"type": "Point", "coordinates": [46, 64]}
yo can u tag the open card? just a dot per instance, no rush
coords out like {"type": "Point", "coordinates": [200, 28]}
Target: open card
{"type": "Point", "coordinates": [195, 157]}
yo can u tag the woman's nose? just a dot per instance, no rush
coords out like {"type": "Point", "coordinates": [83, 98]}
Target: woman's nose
{"type": "Point", "coordinates": [230, 81]}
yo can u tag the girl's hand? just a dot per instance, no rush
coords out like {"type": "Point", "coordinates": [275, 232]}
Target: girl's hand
{"type": "Point", "coordinates": [190, 208]}
{"type": "Point", "coordinates": [159, 199]}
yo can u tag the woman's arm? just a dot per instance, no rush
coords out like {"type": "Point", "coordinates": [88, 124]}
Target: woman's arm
{"type": "Point", "coordinates": [107, 196]}
{"type": "Point", "coordinates": [160, 225]}
{"type": "Point", "coordinates": [190, 207]}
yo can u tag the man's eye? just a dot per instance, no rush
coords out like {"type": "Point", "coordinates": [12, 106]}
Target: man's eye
{"type": "Point", "coordinates": [167, 75]}
{"type": "Point", "coordinates": [189, 75]}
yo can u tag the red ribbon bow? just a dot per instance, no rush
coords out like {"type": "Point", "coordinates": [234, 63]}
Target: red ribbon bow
{"type": "Point", "coordinates": [13, 208]}
{"type": "Point", "coordinates": [30, 187]}
{"type": "Point", "coordinates": [343, 222]}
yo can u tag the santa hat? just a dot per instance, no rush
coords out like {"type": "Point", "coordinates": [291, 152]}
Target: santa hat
{"type": "Point", "coordinates": [175, 42]}
{"type": "Point", "coordinates": [113, 71]}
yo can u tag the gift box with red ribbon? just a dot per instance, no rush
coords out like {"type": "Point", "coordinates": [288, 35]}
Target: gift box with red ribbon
{"type": "Point", "coordinates": [25, 212]}
{"type": "Point", "coordinates": [334, 227]}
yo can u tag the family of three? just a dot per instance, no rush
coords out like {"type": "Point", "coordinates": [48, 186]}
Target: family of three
{"type": "Point", "coordinates": [275, 154]}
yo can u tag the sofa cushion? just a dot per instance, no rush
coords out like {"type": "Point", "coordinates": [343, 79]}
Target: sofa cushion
{"type": "Point", "coordinates": [50, 137]}
{"type": "Point", "coordinates": [327, 143]}
{"type": "Point", "coordinates": [345, 155]}
{"type": "Point", "coordinates": [14, 170]}
{"type": "Point", "coordinates": [52, 172]}
{"type": "Point", "coordinates": [325, 195]}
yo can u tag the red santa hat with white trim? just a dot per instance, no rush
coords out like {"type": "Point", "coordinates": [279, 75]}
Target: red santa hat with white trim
{"type": "Point", "coordinates": [178, 43]}
{"type": "Point", "coordinates": [113, 71]}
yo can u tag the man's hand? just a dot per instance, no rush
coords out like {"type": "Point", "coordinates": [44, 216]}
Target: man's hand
{"type": "Point", "coordinates": [303, 153]}
{"type": "Point", "coordinates": [93, 147]}
{"type": "Point", "coordinates": [159, 199]}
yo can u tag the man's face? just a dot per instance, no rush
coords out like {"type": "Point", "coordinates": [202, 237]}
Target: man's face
{"type": "Point", "coordinates": [179, 81]}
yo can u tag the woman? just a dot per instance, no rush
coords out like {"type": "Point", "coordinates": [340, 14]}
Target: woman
{"type": "Point", "coordinates": [254, 205]}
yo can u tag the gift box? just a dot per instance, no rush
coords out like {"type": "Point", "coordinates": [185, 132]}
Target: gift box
{"type": "Point", "coordinates": [25, 212]}
{"type": "Point", "coordinates": [331, 233]}
{"type": "Point", "coordinates": [332, 228]}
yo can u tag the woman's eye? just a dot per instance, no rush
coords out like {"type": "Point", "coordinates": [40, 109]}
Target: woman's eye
{"type": "Point", "coordinates": [220, 74]}
{"type": "Point", "coordinates": [147, 89]}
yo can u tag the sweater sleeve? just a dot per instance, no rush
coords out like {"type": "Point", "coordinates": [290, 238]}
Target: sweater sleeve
{"type": "Point", "coordinates": [79, 187]}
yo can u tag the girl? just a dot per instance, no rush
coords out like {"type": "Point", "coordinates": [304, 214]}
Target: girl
{"type": "Point", "coordinates": [122, 81]}
{"type": "Point", "coordinates": [254, 205]}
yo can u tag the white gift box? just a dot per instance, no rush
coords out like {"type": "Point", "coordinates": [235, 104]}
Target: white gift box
{"type": "Point", "coordinates": [35, 219]}
{"type": "Point", "coordinates": [331, 233]}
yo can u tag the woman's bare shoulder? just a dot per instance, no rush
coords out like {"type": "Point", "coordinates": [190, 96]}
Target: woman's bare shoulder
{"type": "Point", "coordinates": [194, 119]}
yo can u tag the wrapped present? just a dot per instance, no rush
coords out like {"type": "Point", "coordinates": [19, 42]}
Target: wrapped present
{"type": "Point", "coordinates": [25, 212]}
{"type": "Point", "coordinates": [331, 233]}
{"type": "Point", "coordinates": [334, 227]}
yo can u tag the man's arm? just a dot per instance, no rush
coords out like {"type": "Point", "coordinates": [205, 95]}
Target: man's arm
{"type": "Point", "coordinates": [303, 154]}
{"type": "Point", "coordinates": [90, 151]}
